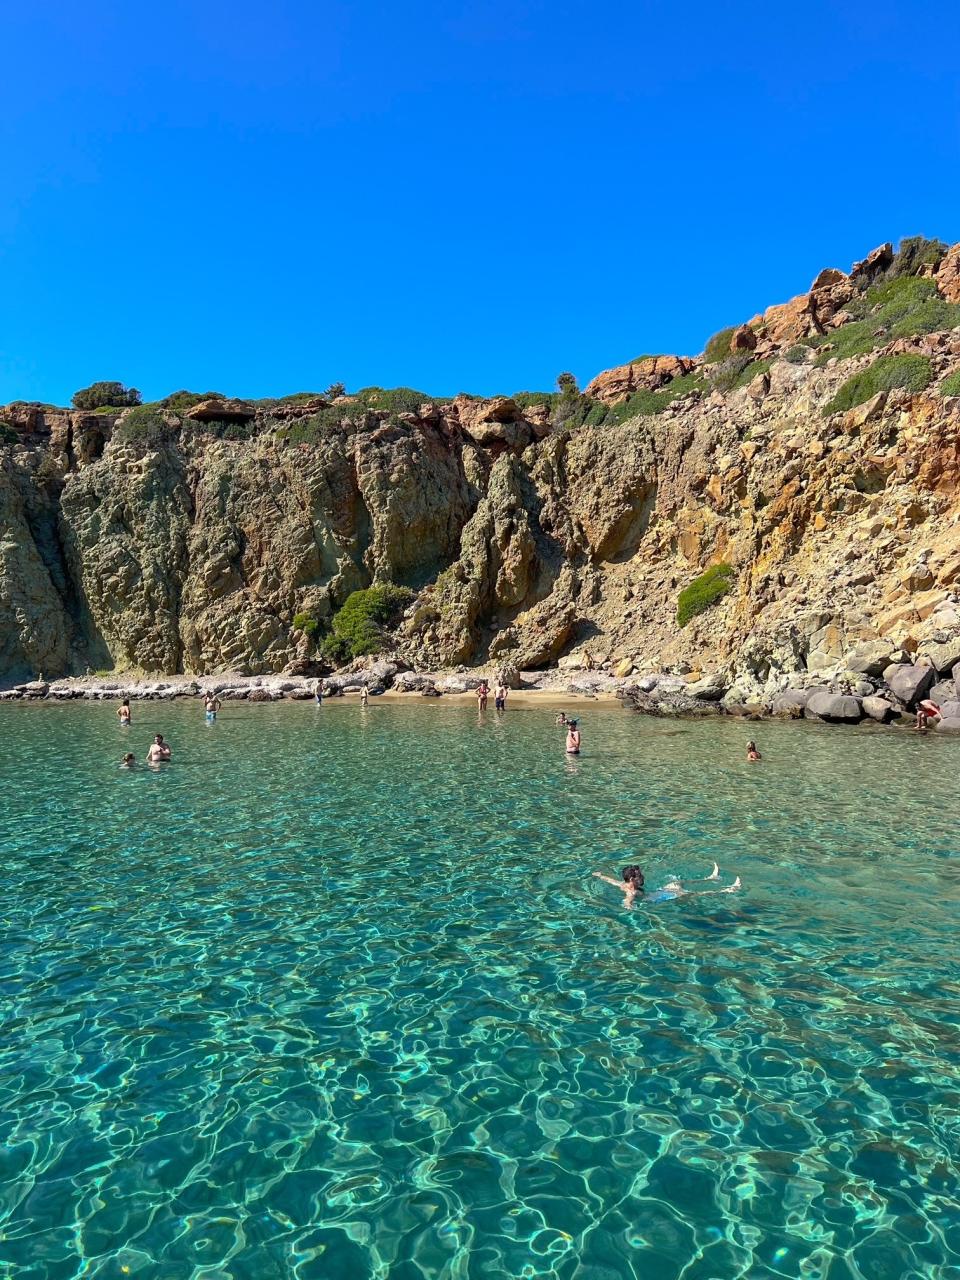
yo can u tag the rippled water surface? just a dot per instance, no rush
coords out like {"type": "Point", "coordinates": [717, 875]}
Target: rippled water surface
{"type": "Point", "coordinates": [335, 995]}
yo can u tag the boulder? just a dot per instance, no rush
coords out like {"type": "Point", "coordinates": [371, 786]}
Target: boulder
{"type": "Point", "coordinates": [624, 668]}
{"type": "Point", "coordinates": [411, 682]}
{"type": "Point", "coordinates": [948, 726]}
{"type": "Point", "coordinates": [948, 274]}
{"type": "Point", "coordinates": [950, 710]}
{"type": "Point", "coordinates": [790, 702]}
{"type": "Point", "coordinates": [710, 688]}
{"type": "Point", "coordinates": [910, 681]}
{"type": "Point", "coordinates": [944, 656]}
{"type": "Point", "coordinates": [942, 692]}
{"type": "Point", "coordinates": [647, 684]}
{"type": "Point", "coordinates": [221, 411]}
{"type": "Point", "coordinates": [879, 709]}
{"type": "Point", "coordinates": [870, 659]}
{"type": "Point", "coordinates": [837, 708]}
{"type": "Point", "coordinates": [509, 676]}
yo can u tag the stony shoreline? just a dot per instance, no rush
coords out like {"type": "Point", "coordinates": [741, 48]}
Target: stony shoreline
{"type": "Point", "coordinates": [878, 684]}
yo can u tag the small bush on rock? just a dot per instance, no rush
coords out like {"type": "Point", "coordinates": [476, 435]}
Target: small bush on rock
{"type": "Point", "coordinates": [358, 628]}
{"type": "Point", "coordinates": [913, 373]}
{"type": "Point", "coordinates": [950, 386]}
{"type": "Point", "coordinates": [718, 348]}
{"type": "Point", "coordinates": [143, 426]}
{"type": "Point", "coordinates": [704, 591]}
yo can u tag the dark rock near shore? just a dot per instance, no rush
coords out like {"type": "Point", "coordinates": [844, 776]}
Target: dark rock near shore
{"type": "Point", "coordinates": [879, 709]}
{"type": "Point", "coordinates": [837, 708]}
{"type": "Point", "coordinates": [909, 681]}
{"type": "Point", "coordinates": [790, 703]}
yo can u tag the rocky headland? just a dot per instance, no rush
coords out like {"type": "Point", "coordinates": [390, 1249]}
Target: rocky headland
{"type": "Point", "coordinates": [770, 527]}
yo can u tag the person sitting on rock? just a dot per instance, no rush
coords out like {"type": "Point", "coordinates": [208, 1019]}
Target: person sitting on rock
{"type": "Point", "coordinates": [926, 711]}
{"type": "Point", "coordinates": [752, 752]}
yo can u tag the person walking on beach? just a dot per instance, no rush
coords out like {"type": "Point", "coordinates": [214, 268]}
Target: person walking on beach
{"type": "Point", "coordinates": [573, 738]}
{"type": "Point", "coordinates": [500, 696]}
{"type": "Point", "coordinates": [159, 752]}
{"type": "Point", "coordinates": [123, 711]}
{"type": "Point", "coordinates": [631, 884]}
{"type": "Point", "coordinates": [752, 752]}
{"type": "Point", "coordinates": [483, 692]}
{"type": "Point", "coordinates": [211, 705]}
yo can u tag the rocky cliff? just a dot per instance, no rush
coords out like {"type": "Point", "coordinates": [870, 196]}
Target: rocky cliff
{"type": "Point", "coordinates": [813, 449]}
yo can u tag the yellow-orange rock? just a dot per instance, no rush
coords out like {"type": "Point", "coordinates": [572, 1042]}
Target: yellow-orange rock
{"type": "Point", "coordinates": [948, 275]}
{"type": "Point", "coordinates": [651, 372]}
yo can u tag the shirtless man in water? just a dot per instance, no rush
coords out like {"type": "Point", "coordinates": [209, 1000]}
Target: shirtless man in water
{"type": "Point", "coordinates": [211, 705]}
{"type": "Point", "coordinates": [123, 711]}
{"type": "Point", "coordinates": [159, 752]}
{"type": "Point", "coordinates": [631, 884]}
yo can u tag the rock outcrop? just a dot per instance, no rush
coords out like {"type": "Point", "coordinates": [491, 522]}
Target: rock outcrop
{"type": "Point", "coordinates": [531, 530]}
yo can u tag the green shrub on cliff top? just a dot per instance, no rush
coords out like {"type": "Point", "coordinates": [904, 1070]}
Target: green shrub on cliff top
{"type": "Point", "coordinates": [704, 591]}
{"type": "Point", "coordinates": [901, 307]}
{"type": "Point", "coordinates": [358, 628]}
{"type": "Point", "coordinates": [913, 373]}
{"type": "Point", "coordinates": [103, 395]}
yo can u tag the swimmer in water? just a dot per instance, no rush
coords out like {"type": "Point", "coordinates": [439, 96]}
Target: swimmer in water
{"type": "Point", "coordinates": [752, 752]}
{"type": "Point", "coordinates": [159, 752]}
{"type": "Point", "coordinates": [561, 718]}
{"type": "Point", "coordinates": [211, 705]}
{"type": "Point", "coordinates": [123, 711]}
{"type": "Point", "coordinates": [128, 761]}
{"type": "Point", "coordinates": [631, 885]}
{"type": "Point", "coordinates": [573, 738]}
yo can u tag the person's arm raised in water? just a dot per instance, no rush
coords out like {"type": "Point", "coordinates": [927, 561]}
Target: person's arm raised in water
{"type": "Point", "coordinates": [617, 884]}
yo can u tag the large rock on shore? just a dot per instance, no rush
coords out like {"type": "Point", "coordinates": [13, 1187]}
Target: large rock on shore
{"type": "Point", "coordinates": [837, 708]}
{"type": "Point", "coordinates": [909, 681]}
{"type": "Point", "coordinates": [879, 709]}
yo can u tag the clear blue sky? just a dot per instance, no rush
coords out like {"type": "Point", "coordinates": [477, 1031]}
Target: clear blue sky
{"type": "Point", "coordinates": [261, 198]}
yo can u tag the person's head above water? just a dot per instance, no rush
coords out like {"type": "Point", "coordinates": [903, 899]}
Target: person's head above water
{"type": "Point", "coordinates": [129, 758]}
{"type": "Point", "coordinates": [158, 739]}
{"type": "Point", "coordinates": [633, 875]}
{"type": "Point", "coordinates": [751, 746]}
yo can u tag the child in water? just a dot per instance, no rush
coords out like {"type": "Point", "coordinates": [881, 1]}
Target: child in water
{"type": "Point", "coordinates": [631, 883]}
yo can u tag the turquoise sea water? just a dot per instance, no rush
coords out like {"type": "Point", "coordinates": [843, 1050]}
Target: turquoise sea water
{"type": "Point", "coordinates": [335, 995]}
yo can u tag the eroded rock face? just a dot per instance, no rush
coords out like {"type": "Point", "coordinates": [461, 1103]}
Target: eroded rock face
{"type": "Point", "coordinates": [652, 372]}
{"type": "Point", "coordinates": [525, 541]}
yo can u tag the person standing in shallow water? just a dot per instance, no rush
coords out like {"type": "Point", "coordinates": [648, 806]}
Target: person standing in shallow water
{"type": "Point", "coordinates": [364, 695]}
{"type": "Point", "coordinates": [123, 711]}
{"type": "Point", "coordinates": [573, 738]}
{"type": "Point", "coordinates": [752, 753]}
{"type": "Point", "coordinates": [500, 696]}
{"type": "Point", "coordinates": [159, 752]}
{"type": "Point", "coordinates": [483, 692]}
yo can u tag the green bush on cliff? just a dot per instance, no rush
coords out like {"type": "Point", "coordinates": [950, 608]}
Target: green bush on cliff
{"type": "Point", "coordinates": [913, 373]}
{"type": "Point", "coordinates": [103, 395]}
{"type": "Point", "coordinates": [358, 628]}
{"type": "Point", "coordinates": [8, 434]}
{"type": "Point", "coordinates": [738, 370]}
{"type": "Point", "coordinates": [180, 401]}
{"type": "Point", "coordinates": [950, 386]}
{"type": "Point", "coordinates": [704, 591]}
{"type": "Point", "coordinates": [900, 307]}
{"type": "Point", "coordinates": [308, 624]}
{"type": "Point", "coordinates": [143, 426]}
{"type": "Point", "coordinates": [718, 348]}
{"type": "Point", "coordinates": [644, 402]}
